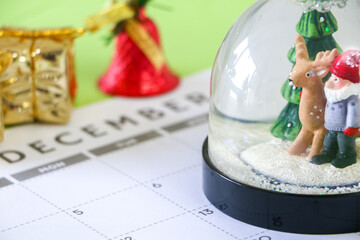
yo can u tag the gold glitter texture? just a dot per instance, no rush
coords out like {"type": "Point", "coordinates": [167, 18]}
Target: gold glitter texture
{"type": "Point", "coordinates": [37, 72]}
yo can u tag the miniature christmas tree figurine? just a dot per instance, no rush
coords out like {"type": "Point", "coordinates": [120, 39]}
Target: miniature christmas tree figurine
{"type": "Point", "coordinates": [342, 113]}
{"type": "Point", "coordinates": [138, 67]}
{"type": "Point", "coordinates": [317, 29]}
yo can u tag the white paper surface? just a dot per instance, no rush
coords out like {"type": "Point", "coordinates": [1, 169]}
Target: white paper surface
{"type": "Point", "coordinates": [124, 169]}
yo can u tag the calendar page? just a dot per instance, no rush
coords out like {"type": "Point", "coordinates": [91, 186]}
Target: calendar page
{"type": "Point", "coordinates": [122, 169]}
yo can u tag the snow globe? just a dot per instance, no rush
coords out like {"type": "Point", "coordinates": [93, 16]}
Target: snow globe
{"type": "Point", "coordinates": [283, 151]}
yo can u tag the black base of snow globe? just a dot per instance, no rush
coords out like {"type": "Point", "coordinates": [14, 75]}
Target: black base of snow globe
{"type": "Point", "coordinates": [295, 213]}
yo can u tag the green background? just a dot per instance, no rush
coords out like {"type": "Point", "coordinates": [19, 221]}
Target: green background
{"type": "Point", "coordinates": [191, 32]}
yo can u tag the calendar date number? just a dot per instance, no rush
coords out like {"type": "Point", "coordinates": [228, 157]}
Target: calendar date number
{"type": "Point", "coordinates": [206, 212]}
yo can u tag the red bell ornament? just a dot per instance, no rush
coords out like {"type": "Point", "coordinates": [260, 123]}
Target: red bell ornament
{"type": "Point", "coordinates": [138, 68]}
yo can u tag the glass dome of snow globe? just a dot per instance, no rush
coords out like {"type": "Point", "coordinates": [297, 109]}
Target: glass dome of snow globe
{"type": "Point", "coordinates": [284, 117]}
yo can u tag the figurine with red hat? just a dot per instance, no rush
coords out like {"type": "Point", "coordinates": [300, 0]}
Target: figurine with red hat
{"type": "Point", "coordinates": [342, 113]}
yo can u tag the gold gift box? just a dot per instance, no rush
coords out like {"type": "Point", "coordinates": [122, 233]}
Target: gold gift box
{"type": "Point", "coordinates": [5, 61]}
{"type": "Point", "coordinates": [36, 85]}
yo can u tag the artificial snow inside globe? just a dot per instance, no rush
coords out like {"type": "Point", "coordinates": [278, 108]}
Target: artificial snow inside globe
{"type": "Point", "coordinates": [283, 150]}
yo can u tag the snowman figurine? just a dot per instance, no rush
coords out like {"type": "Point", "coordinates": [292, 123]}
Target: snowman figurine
{"type": "Point", "coordinates": [342, 113]}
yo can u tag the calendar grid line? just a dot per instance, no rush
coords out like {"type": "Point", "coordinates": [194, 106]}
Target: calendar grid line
{"type": "Point", "coordinates": [161, 195]}
{"type": "Point", "coordinates": [117, 200]}
{"type": "Point", "coordinates": [169, 200]}
{"type": "Point", "coordinates": [150, 225]}
{"type": "Point", "coordinates": [173, 173]}
{"type": "Point", "coordinates": [140, 183]}
{"type": "Point", "coordinates": [88, 226]}
{"type": "Point", "coordinates": [143, 184]}
{"type": "Point", "coordinates": [8, 187]}
{"type": "Point", "coordinates": [166, 198]}
{"type": "Point", "coordinates": [18, 183]}
{"type": "Point", "coordinates": [5, 182]}
{"type": "Point", "coordinates": [62, 210]}
{"type": "Point", "coordinates": [254, 235]}
{"type": "Point", "coordinates": [39, 196]}
{"type": "Point", "coordinates": [217, 227]}
{"type": "Point", "coordinates": [159, 131]}
{"type": "Point", "coordinates": [120, 172]}
{"type": "Point", "coordinates": [170, 134]}
{"type": "Point", "coordinates": [143, 181]}
{"type": "Point", "coordinates": [103, 197]}
{"type": "Point", "coordinates": [189, 145]}
{"type": "Point", "coordinates": [164, 132]}
{"type": "Point", "coordinates": [152, 179]}
{"type": "Point", "coordinates": [161, 221]}
{"type": "Point", "coordinates": [111, 194]}
{"type": "Point", "coordinates": [31, 221]}
{"type": "Point", "coordinates": [93, 200]}
{"type": "Point", "coordinates": [134, 186]}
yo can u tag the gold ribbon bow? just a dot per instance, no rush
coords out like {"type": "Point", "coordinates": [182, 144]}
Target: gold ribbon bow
{"type": "Point", "coordinates": [124, 11]}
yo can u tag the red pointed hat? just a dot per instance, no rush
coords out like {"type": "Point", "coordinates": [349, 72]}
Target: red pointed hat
{"type": "Point", "coordinates": [346, 66]}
